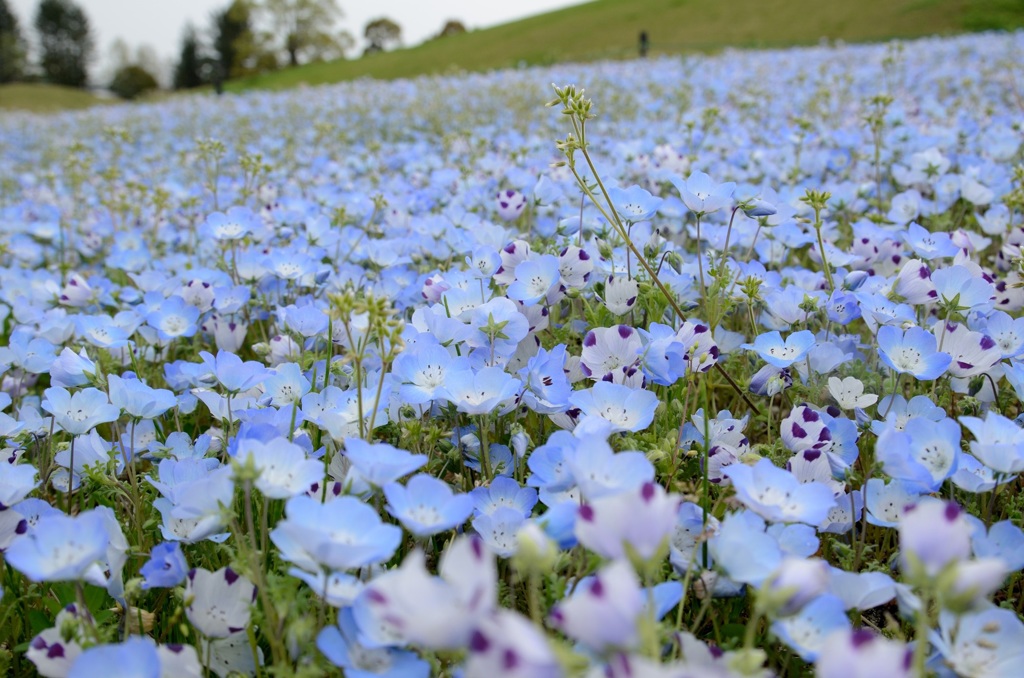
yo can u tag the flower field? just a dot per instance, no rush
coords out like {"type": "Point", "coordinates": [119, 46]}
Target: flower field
{"type": "Point", "coordinates": [708, 366]}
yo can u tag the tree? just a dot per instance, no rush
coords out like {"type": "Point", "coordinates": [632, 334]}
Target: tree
{"type": "Point", "coordinates": [65, 42]}
{"type": "Point", "coordinates": [452, 27]}
{"type": "Point", "coordinates": [380, 33]}
{"type": "Point", "coordinates": [12, 45]}
{"type": "Point", "coordinates": [306, 29]}
{"type": "Point", "coordinates": [192, 65]}
{"type": "Point", "coordinates": [234, 41]}
{"type": "Point", "coordinates": [132, 80]}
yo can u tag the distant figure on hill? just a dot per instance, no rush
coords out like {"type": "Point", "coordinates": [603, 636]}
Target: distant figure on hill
{"type": "Point", "coordinates": [644, 44]}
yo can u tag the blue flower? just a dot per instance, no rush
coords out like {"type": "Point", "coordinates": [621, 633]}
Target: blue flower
{"type": "Point", "coordinates": [701, 194]}
{"type": "Point", "coordinates": [60, 547]}
{"type": "Point", "coordinates": [928, 245]}
{"type": "Point", "coordinates": [380, 464]}
{"type": "Point", "coordinates": [913, 352]}
{"type": "Point", "coordinates": [778, 353]}
{"type": "Point", "coordinates": [777, 495]}
{"type": "Point", "coordinates": [137, 399]}
{"type": "Point", "coordinates": [233, 374]}
{"type": "Point", "coordinates": [166, 566]}
{"type": "Point", "coordinates": [79, 413]}
{"type": "Point", "coordinates": [499, 528]}
{"type": "Point", "coordinates": [924, 454]}
{"type": "Point", "coordinates": [134, 658]}
{"type": "Point", "coordinates": [535, 279]}
{"type": "Point", "coordinates": [479, 392]}
{"type": "Point", "coordinates": [426, 505]}
{"type": "Point", "coordinates": [504, 491]}
{"type": "Point", "coordinates": [547, 386]}
{"type": "Point", "coordinates": [341, 645]}
{"type": "Point", "coordinates": [627, 409]}
{"type": "Point", "coordinates": [175, 318]}
{"type": "Point", "coordinates": [342, 534]}
{"type": "Point", "coordinates": [634, 204]}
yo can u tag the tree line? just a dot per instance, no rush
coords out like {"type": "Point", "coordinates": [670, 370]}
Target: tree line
{"type": "Point", "coordinates": [243, 38]}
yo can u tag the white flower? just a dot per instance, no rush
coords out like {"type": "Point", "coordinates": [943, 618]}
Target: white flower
{"type": "Point", "coordinates": [849, 393]}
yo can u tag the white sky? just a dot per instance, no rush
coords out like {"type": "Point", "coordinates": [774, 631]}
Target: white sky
{"type": "Point", "coordinates": [159, 23]}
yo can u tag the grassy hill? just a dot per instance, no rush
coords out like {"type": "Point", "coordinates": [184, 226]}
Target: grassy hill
{"type": "Point", "coordinates": [41, 98]}
{"type": "Point", "coordinates": [608, 29]}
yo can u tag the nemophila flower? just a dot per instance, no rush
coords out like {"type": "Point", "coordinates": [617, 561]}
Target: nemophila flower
{"type": "Point", "coordinates": [16, 482]}
{"type": "Point", "coordinates": [283, 467]}
{"type": "Point", "coordinates": [548, 468]}
{"type": "Point", "coordinates": [905, 207]}
{"type": "Point", "coordinates": [237, 223]}
{"type": "Point", "coordinates": [504, 492]}
{"type": "Point", "coordinates": [861, 590]}
{"type": "Point", "coordinates": [483, 262]}
{"type": "Point", "coordinates": [479, 392]}
{"type": "Point", "coordinates": [913, 352]}
{"type": "Point", "coordinates": [499, 529]}
{"type": "Point", "coordinates": [137, 399]}
{"type": "Point", "coordinates": [230, 655]}
{"type": "Point", "coordinates": [32, 354]}
{"type": "Point", "coordinates": [805, 632]}
{"type": "Point", "coordinates": [497, 326]}
{"type": "Point", "coordinates": [959, 289]}
{"type": "Point", "coordinates": [511, 255]}
{"type": "Point", "coordinates": [342, 647]}
{"type": "Point", "coordinates": [929, 245]}
{"type": "Point", "coordinates": [219, 603]}
{"type": "Point", "coordinates": [878, 310]}
{"type": "Point", "coordinates": [842, 307]}
{"type": "Point", "coordinates": [286, 386]}
{"type": "Point", "coordinates": [989, 642]}
{"type": "Point", "coordinates": [748, 551]}
{"type": "Point", "coordinates": [599, 471]}
{"type": "Point", "coordinates": [998, 442]}
{"type": "Point", "coordinates": [174, 318]}
{"type": "Point", "coordinates": [923, 454]}
{"type": "Point", "coordinates": [55, 649]}
{"type": "Point", "coordinates": [620, 294]}
{"type": "Point", "coordinates": [421, 370]}
{"type": "Point", "coordinates": [1003, 540]}
{"type": "Point", "coordinates": [793, 584]}
{"type": "Point", "coordinates": [901, 411]}
{"type": "Point", "coordinates": [688, 536]}
{"type": "Point", "coordinates": [973, 476]}
{"type": "Point", "coordinates": [603, 613]}
{"type": "Point", "coordinates": [426, 505]}
{"type": "Point", "coordinates": [1006, 331]}
{"type": "Point", "coordinates": [165, 568]}
{"type": "Point", "coordinates": [547, 387]}
{"type": "Point", "coordinates": [701, 194]}
{"type": "Point", "coordinates": [634, 204]}
{"type": "Point", "coordinates": [342, 534]}
{"type": "Point", "coordinates": [510, 204]}
{"type": "Point", "coordinates": [777, 495]}
{"type": "Point", "coordinates": [608, 349]}
{"type": "Point", "coordinates": [972, 352]}
{"type": "Point", "coordinates": [862, 653]}
{"type": "Point", "coordinates": [886, 502]}
{"type": "Point", "coordinates": [849, 393]}
{"type": "Point", "coordinates": [234, 375]}
{"type": "Point", "coordinates": [306, 320]}
{"type": "Point", "coordinates": [625, 408]}
{"type": "Point", "coordinates": [535, 279]}
{"type": "Point", "coordinates": [137, 657]}
{"type": "Point", "coordinates": [771, 348]}
{"type": "Point", "coordinates": [72, 369]}
{"type": "Point", "coordinates": [933, 534]}
{"type": "Point", "coordinates": [575, 265]}
{"type": "Point", "coordinates": [80, 412]}
{"type": "Point", "coordinates": [508, 644]}
{"type": "Point", "coordinates": [409, 605]}
{"type": "Point", "coordinates": [61, 548]}
{"type": "Point", "coordinates": [379, 464]}
{"type": "Point", "coordinates": [197, 512]}
{"type": "Point", "coordinates": [913, 283]}
{"type": "Point", "coordinates": [632, 522]}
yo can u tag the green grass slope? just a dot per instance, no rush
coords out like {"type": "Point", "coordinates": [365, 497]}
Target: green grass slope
{"type": "Point", "coordinates": [41, 98]}
{"type": "Point", "coordinates": [608, 29]}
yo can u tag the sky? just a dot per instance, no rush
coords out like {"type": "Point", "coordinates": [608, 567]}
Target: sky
{"type": "Point", "coordinates": [159, 23]}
